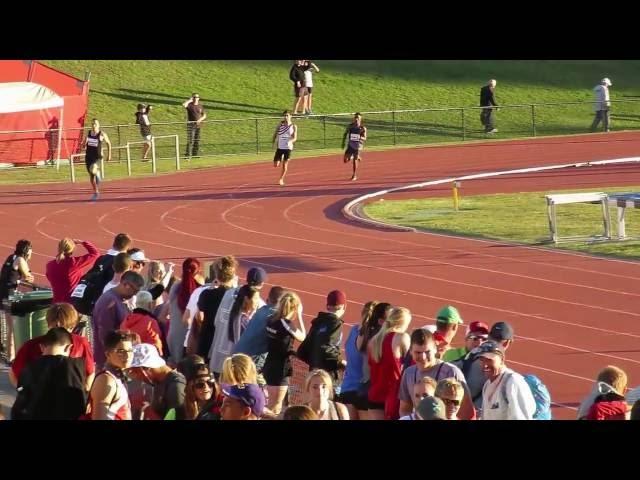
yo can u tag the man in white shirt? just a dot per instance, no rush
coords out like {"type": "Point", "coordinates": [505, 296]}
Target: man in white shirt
{"type": "Point", "coordinates": [506, 395]}
{"type": "Point", "coordinates": [601, 105]}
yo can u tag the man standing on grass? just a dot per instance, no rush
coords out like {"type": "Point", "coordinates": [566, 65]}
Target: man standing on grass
{"type": "Point", "coordinates": [488, 102]}
{"type": "Point", "coordinates": [195, 116]}
{"type": "Point", "coordinates": [601, 105]}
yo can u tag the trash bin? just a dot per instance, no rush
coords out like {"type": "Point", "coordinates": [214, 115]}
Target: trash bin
{"type": "Point", "coordinates": [29, 310]}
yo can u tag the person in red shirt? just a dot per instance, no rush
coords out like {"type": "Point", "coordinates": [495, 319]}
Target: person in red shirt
{"type": "Point", "coordinates": [59, 315]}
{"type": "Point", "coordinates": [64, 272]}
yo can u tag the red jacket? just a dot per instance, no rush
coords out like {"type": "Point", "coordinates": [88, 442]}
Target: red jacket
{"type": "Point", "coordinates": [608, 410]}
{"type": "Point", "coordinates": [144, 324]}
{"type": "Point", "coordinates": [66, 275]}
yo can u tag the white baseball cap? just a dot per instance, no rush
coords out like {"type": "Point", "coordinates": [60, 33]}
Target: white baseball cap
{"type": "Point", "coordinates": [139, 256]}
{"type": "Point", "coordinates": [147, 356]}
{"type": "Point", "coordinates": [606, 81]}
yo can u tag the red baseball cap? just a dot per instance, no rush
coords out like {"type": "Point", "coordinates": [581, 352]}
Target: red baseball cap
{"type": "Point", "coordinates": [480, 328]}
{"type": "Point", "coordinates": [335, 298]}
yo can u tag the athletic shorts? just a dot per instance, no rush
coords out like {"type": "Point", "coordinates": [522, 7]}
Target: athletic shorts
{"type": "Point", "coordinates": [352, 152]}
{"type": "Point", "coordinates": [299, 91]}
{"type": "Point", "coordinates": [282, 154]}
{"type": "Point", "coordinates": [375, 405]}
{"type": "Point", "coordinates": [146, 137]}
{"type": "Point", "coordinates": [309, 90]}
{"type": "Point", "coordinates": [355, 398]}
{"type": "Point", "coordinates": [90, 163]}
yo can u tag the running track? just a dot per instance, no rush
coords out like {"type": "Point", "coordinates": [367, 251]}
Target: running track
{"type": "Point", "coordinates": [572, 314]}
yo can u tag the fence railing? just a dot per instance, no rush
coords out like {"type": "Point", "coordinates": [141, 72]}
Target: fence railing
{"type": "Point", "coordinates": [242, 136]}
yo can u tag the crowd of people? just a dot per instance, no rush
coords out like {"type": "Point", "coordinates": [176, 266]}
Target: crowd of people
{"type": "Point", "coordinates": [131, 338]}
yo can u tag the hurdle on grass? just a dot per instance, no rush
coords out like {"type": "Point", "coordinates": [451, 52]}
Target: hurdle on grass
{"type": "Point", "coordinates": [153, 150]}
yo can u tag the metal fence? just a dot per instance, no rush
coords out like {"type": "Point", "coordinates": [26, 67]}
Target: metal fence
{"type": "Point", "coordinates": [246, 136]}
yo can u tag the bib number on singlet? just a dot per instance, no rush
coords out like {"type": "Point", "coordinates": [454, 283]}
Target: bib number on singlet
{"type": "Point", "coordinates": [78, 292]}
{"type": "Point", "coordinates": [354, 137]}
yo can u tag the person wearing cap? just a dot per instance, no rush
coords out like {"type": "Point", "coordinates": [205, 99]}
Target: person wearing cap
{"type": "Point", "coordinates": [431, 408]}
{"type": "Point", "coordinates": [143, 322]}
{"type": "Point", "coordinates": [168, 384]}
{"type": "Point", "coordinates": [202, 397]}
{"type": "Point", "coordinates": [222, 344]}
{"type": "Point", "coordinates": [488, 102]}
{"type": "Point", "coordinates": [502, 333]}
{"type": "Point", "coordinates": [142, 119]}
{"type": "Point", "coordinates": [321, 347]}
{"type": "Point", "coordinates": [423, 351]}
{"type": "Point", "coordinates": [209, 301]}
{"type": "Point", "coordinates": [447, 321]}
{"type": "Point", "coordinates": [195, 116]}
{"type": "Point", "coordinates": [138, 258]}
{"type": "Point", "coordinates": [477, 332]}
{"type": "Point", "coordinates": [505, 395]}
{"type": "Point", "coordinates": [242, 402]}
{"type": "Point", "coordinates": [601, 105]}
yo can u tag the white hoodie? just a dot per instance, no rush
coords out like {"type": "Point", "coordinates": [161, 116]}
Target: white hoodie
{"type": "Point", "coordinates": [601, 93]}
{"type": "Point", "coordinates": [508, 397]}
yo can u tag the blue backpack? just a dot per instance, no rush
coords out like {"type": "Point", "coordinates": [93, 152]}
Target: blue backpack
{"type": "Point", "coordinates": [540, 394]}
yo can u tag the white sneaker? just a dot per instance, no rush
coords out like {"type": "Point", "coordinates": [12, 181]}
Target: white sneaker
{"type": "Point", "coordinates": [495, 130]}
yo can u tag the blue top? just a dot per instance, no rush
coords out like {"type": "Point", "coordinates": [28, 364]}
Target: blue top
{"type": "Point", "coordinates": [253, 340]}
{"type": "Point", "coordinates": [355, 361]}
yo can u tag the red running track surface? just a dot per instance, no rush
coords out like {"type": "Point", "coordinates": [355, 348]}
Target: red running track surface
{"type": "Point", "coordinates": [573, 314]}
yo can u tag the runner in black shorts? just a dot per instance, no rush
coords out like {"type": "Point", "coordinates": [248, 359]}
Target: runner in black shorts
{"type": "Point", "coordinates": [357, 135]}
{"type": "Point", "coordinates": [286, 133]}
{"type": "Point", "coordinates": [93, 154]}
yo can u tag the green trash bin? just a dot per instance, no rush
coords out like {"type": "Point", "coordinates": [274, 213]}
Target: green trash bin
{"type": "Point", "coordinates": [29, 310]}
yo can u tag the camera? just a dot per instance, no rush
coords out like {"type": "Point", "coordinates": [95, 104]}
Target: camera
{"type": "Point", "coordinates": [148, 108]}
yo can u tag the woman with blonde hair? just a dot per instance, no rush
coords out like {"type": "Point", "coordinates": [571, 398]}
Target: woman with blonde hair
{"type": "Point", "coordinates": [158, 276]}
{"type": "Point", "coordinates": [319, 389]}
{"type": "Point", "coordinates": [65, 271]}
{"type": "Point", "coordinates": [353, 391]}
{"type": "Point", "coordinates": [451, 392]}
{"type": "Point", "coordinates": [283, 327]}
{"type": "Point", "coordinates": [237, 369]}
{"type": "Point", "coordinates": [385, 353]}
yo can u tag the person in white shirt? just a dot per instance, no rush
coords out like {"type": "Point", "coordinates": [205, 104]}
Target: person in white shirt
{"type": "Point", "coordinates": [286, 135]}
{"type": "Point", "coordinates": [601, 105]}
{"type": "Point", "coordinates": [505, 395]}
{"type": "Point", "coordinates": [309, 67]}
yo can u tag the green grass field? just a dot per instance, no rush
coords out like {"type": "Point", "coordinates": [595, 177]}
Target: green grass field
{"type": "Point", "coordinates": [258, 89]}
{"type": "Point", "coordinates": [520, 217]}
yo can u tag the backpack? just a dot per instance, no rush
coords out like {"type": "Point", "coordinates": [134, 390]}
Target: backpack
{"type": "Point", "coordinates": [5, 277]}
{"type": "Point", "coordinates": [91, 285]}
{"type": "Point", "coordinates": [464, 364]}
{"type": "Point", "coordinates": [540, 394]}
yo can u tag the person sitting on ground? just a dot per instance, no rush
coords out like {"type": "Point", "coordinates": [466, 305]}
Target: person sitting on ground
{"type": "Point", "coordinates": [58, 315]}
{"type": "Point", "coordinates": [109, 398]}
{"type": "Point", "coordinates": [319, 389]}
{"type": "Point", "coordinates": [143, 322]}
{"type": "Point", "coordinates": [451, 392]}
{"type": "Point", "coordinates": [168, 384]}
{"type": "Point", "coordinates": [53, 386]}
{"type": "Point", "coordinates": [426, 387]}
{"type": "Point", "coordinates": [65, 271]}
{"type": "Point", "coordinates": [200, 397]}
{"type": "Point", "coordinates": [242, 402]}
{"type": "Point", "coordinates": [299, 412]}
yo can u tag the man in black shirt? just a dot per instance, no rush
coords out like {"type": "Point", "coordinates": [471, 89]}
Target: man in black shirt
{"type": "Point", "coordinates": [296, 75]}
{"type": "Point", "coordinates": [195, 116]}
{"type": "Point", "coordinates": [487, 100]}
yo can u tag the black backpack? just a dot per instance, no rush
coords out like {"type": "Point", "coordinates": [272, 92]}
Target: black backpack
{"type": "Point", "coordinates": [5, 277]}
{"type": "Point", "coordinates": [464, 364]}
{"type": "Point", "coordinates": [91, 285]}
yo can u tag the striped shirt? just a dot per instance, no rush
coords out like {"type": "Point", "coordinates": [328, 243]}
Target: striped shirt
{"type": "Point", "coordinates": [285, 134]}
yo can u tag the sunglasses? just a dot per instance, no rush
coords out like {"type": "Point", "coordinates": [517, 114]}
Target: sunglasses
{"type": "Point", "coordinates": [122, 351]}
{"type": "Point", "coordinates": [477, 337]}
{"type": "Point", "coordinates": [449, 401]}
{"type": "Point", "coordinates": [203, 383]}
